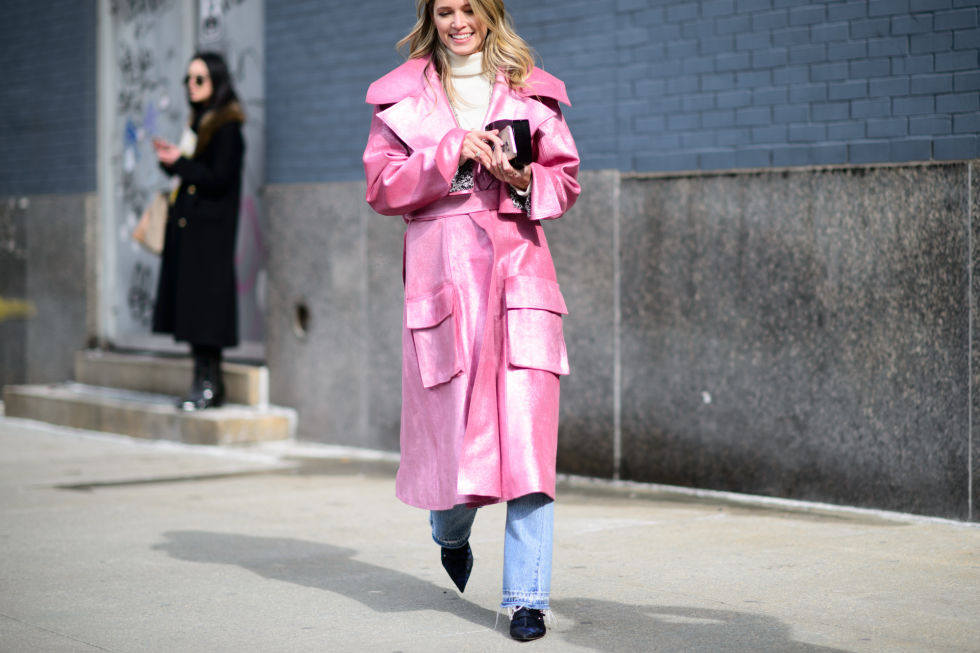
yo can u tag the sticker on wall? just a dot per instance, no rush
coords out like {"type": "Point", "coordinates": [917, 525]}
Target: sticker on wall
{"type": "Point", "coordinates": [150, 120]}
{"type": "Point", "coordinates": [211, 21]}
{"type": "Point", "coordinates": [130, 143]}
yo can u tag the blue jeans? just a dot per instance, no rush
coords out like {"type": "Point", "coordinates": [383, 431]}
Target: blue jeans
{"type": "Point", "coordinates": [528, 541]}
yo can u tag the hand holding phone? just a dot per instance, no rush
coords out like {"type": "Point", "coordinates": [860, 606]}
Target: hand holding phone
{"type": "Point", "coordinates": [509, 147]}
{"type": "Point", "coordinates": [167, 152]}
{"type": "Point", "coordinates": [516, 136]}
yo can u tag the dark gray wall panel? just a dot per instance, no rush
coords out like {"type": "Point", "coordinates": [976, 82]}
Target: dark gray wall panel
{"type": "Point", "coordinates": [45, 251]}
{"type": "Point", "coordinates": [800, 334]}
{"type": "Point", "coordinates": [583, 246]}
{"type": "Point", "coordinates": [343, 373]}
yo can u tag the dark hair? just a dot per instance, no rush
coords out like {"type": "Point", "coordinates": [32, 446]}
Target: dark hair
{"type": "Point", "coordinates": [223, 92]}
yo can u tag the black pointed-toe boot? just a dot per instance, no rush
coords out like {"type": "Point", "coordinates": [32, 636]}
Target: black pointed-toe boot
{"type": "Point", "coordinates": [458, 563]}
{"type": "Point", "coordinates": [527, 624]}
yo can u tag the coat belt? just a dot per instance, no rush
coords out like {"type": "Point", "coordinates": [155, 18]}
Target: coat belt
{"type": "Point", "coordinates": [481, 200]}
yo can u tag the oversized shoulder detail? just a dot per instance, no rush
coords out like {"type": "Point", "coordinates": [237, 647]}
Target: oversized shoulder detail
{"type": "Point", "coordinates": [407, 80]}
{"type": "Point", "coordinates": [543, 84]}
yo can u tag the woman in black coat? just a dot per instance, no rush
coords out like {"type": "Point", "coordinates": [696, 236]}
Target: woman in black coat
{"type": "Point", "coordinates": [196, 294]}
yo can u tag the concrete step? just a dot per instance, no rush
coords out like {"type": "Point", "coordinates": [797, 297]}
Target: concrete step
{"type": "Point", "coordinates": [146, 415]}
{"type": "Point", "coordinates": [244, 384]}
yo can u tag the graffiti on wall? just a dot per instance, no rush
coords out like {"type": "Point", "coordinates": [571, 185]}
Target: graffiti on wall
{"type": "Point", "coordinates": [13, 252]}
{"type": "Point", "coordinates": [212, 27]}
{"type": "Point", "coordinates": [127, 10]}
{"type": "Point", "coordinates": [12, 239]}
{"type": "Point", "coordinates": [11, 309]}
{"type": "Point", "coordinates": [139, 294]}
{"type": "Point", "coordinates": [147, 67]}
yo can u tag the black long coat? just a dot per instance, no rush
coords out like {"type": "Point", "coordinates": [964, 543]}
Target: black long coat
{"type": "Point", "coordinates": [196, 293]}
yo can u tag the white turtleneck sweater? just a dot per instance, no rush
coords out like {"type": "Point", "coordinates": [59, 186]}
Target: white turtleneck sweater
{"type": "Point", "coordinates": [473, 89]}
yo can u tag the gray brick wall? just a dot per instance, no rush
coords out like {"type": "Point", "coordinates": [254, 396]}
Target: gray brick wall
{"type": "Point", "coordinates": [747, 83]}
{"type": "Point", "coordinates": [47, 102]}
{"type": "Point", "coordinates": [320, 58]}
{"type": "Point", "coordinates": [666, 84]}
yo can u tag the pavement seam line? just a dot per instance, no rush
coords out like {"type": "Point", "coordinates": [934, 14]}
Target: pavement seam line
{"type": "Point", "coordinates": [54, 632]}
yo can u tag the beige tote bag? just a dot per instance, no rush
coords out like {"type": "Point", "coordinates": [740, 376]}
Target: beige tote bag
{"type": "Point", "coordinates": [150, 229]}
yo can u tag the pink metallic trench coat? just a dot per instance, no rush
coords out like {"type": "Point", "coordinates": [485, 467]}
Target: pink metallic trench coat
{"type": "Point", "coordinates": [482, 344]}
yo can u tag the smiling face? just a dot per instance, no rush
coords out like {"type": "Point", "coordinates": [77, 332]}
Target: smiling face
{"type": "Point", "coordinates": [460, 30]}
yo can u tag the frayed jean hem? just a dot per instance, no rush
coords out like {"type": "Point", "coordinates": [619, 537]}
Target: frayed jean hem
{"type": "Point", "coordinates": [450, 544]}
{"type": "Point", "coordinates": [454, 525]}
{"type": "Point", "coordinates": [530, 600]}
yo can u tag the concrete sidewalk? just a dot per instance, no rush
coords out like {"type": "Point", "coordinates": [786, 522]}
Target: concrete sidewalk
{"type": "Point", "coordinates": [111, 544]}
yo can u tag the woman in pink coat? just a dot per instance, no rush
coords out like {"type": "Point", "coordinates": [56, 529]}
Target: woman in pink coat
{"type": "Point", "coordinates": [482, 324]}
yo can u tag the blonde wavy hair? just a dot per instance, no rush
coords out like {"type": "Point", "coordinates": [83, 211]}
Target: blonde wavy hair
{"type": "Point", "coordinates": [503, 48]}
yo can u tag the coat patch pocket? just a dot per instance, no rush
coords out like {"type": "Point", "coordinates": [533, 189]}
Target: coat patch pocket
{"type": "Point", "coordinates": [534, 329]}
{"type": "Point", "coordinates": [438, 350]}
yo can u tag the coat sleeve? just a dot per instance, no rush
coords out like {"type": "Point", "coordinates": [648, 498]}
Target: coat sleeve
{"type": "Point", "coordinates": [221, 177]}
{"type": "Point", "coordinates": [168, 170]}
{"type": "Point", "coordinates": [401, 180]}
{"type": "Point", "coordinates": [554, 171]}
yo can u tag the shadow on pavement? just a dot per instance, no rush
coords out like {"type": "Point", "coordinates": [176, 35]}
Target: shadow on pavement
{"type": "Point", "coordinates": [595, 624]}
{"type": "Point", "coordinates": [618, 627]}
{"type": "Point", "coordinates": [324, 566]}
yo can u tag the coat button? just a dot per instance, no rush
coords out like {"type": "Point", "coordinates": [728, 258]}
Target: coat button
{"type": "Point", "coordinates": [182, 223]}
{"type": "Point", "coordinates": [191, 189]}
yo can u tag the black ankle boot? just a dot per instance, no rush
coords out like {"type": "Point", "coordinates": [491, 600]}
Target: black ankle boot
{"type": "Point", "coordinates": [527, 624]}
{"type": "Point", "coordinates": [189, 401]}
{"type": "Point", "coordinates": [207, 389]}
{"type": "Point", "coordinates": [458, 563]}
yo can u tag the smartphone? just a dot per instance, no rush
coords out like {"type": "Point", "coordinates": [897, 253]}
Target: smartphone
{"type": "Point", "coordinates": [516, 135]}
{"type": "Point", "coordinates": [509, 147]}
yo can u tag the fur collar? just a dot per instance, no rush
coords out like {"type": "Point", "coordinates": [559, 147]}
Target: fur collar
{"type": "Point", "coordinates": [212, 121]}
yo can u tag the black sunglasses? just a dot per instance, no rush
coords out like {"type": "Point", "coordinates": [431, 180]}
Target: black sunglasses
{"type": "Point", "coordinates": [197, 79]}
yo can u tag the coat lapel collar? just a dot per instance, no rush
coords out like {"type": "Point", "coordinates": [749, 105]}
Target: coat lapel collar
{"type": "Point", "coordinates": [420, 119]}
